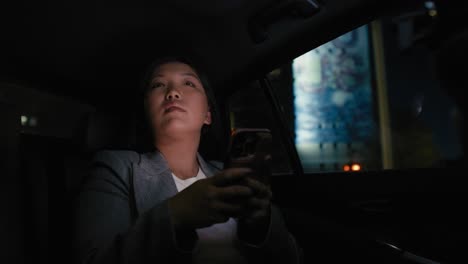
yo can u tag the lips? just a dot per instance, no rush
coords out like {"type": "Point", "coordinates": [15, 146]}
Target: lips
{"type": "Point", "coordinates": [173, 107]}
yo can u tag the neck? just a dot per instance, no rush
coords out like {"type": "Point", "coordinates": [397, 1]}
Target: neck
{"type": "Point", "coordinates": [180, 154]}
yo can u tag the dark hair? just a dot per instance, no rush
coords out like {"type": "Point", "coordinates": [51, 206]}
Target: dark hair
{"type": "Point", "coordinates": [146, 88]}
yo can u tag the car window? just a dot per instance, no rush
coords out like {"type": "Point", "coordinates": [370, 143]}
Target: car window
{"type": "Point", "coordinates": [368, 100]}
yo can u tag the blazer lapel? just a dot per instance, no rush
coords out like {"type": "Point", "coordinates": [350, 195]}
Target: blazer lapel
{"type": "Point", "coordinates": [152, 181]}
{"type": "Point", "coordinates": [206, 167]}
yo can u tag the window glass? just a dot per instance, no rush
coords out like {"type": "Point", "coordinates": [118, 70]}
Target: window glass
{"type": "Point", "coordinates": [371, 99]}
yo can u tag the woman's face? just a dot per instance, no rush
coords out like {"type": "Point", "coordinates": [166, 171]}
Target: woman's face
{"type": "Point", "coordinates": [177, 102]}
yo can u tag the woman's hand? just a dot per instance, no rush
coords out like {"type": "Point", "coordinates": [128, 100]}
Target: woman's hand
{"type": "Point", "coordinates": [254, 225]}
{"type": "Point", "coordinates": [214, 200]}
{"type": "Point", "coordinates": [258, 206]}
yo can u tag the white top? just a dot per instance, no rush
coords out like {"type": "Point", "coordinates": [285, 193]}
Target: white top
{"type": "Point", "coordinates": [182, 184]}
{"type": "Point", "coordinates": [215, 243]}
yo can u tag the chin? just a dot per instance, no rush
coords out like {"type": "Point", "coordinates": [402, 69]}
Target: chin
{"type": "Point", "coordinates": [175, 127]}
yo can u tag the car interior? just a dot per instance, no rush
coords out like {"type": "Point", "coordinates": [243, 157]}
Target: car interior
{"type": "Point", "coordinates": [70, 85]}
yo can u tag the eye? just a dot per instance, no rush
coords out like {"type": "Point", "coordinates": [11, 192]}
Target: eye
{"type": "Point", "coordinates": [189, 83]}
{"type": "Point", "coordinates": [157, 85]}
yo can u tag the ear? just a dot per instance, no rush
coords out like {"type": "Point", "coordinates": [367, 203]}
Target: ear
{"type": "Point", "coordinates": [207, 118]}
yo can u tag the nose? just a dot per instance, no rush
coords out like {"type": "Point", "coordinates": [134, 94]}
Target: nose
{"type": "Point", "coordinates": [173, 94]}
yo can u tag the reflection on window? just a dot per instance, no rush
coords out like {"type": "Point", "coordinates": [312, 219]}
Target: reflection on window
{"type": "Point", "coordinates": [335, 126]}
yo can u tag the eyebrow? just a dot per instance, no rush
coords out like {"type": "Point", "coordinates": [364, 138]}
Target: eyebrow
{"type": "Point", "coordinates": [184, 74]}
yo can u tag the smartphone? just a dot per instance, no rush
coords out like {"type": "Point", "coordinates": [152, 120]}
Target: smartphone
{"type": "Point", "coordinates": [251, 147]}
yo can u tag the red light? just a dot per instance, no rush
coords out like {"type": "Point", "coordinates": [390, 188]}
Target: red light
{"type": "Point", "coordinates": [346, 168]}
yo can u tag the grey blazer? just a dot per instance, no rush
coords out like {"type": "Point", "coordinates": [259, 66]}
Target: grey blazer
{"type": "Point", "coordinates": [121, 215]}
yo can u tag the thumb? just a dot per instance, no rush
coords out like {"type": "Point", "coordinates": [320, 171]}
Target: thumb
{"type": "Point", "coordinates": [230, 176]}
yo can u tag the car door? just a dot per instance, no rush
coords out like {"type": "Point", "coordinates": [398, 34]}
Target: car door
{"type": "Point", "coordinates": [368, 144]}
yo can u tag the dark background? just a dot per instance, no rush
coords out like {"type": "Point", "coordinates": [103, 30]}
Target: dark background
{"type": "Point", "coordinates": [76, 66]}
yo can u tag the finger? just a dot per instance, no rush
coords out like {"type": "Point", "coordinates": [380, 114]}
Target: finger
{"type": "Point", "coordinates": [257, 215]}
{"type": "Point", "coordinates": [219, 218]}
{"type": "Point", "coordinates": [228, 209]}
{"type": "Point", "coordinates": [258, 204]}
{"type": "Point", "coordinates": [259, 189]}
{"type": "Point", "coordinates": [233, 192]}
{"type": "Point", "coordinates": [242, 162]}
{"type": "Point", "coordinates": [230, 176]}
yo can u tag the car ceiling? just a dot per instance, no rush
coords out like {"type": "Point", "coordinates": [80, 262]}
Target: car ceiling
{"type": "Point", "coordinates": [96, 51]}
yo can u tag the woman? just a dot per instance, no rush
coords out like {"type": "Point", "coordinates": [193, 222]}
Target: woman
{"type": "Point", "coordinates": [170, 205]}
